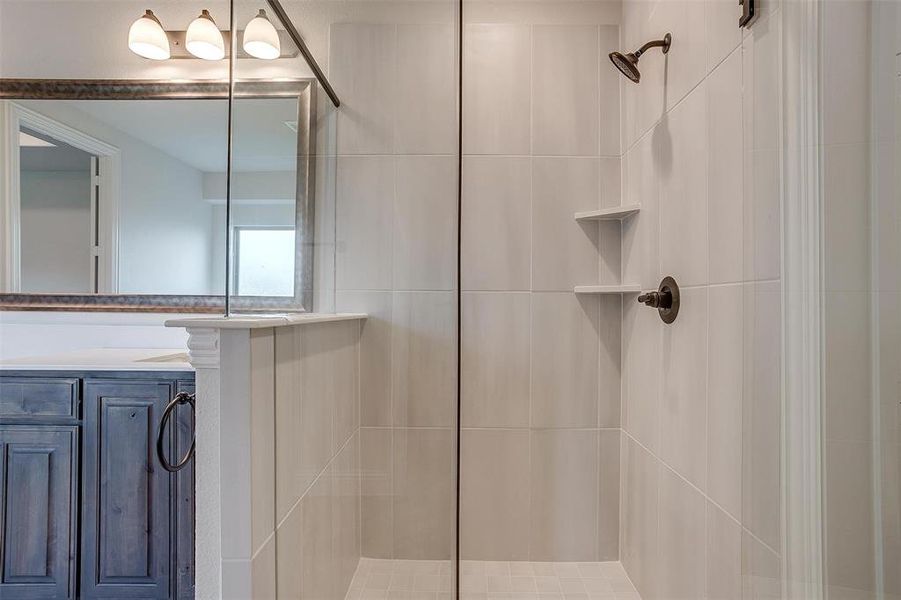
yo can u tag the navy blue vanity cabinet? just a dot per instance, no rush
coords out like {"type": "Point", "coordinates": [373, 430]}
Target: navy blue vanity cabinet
{"type": "Point", "coordinates": [88, 511]}
{"type": "Point", "coordinates": [38, 484]}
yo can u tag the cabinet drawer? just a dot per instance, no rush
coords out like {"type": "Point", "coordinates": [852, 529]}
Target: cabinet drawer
{"type": "Point", "coordinates": [27, 397]}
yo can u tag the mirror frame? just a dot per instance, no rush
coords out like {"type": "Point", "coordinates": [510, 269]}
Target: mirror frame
{"type": "Point", "coordinates": [303, 90]}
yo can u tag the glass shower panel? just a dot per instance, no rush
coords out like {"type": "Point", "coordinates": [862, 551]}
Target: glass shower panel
{"type": "Point", "coordinates": [280, 213]}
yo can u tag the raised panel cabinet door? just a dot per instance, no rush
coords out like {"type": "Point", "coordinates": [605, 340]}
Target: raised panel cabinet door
{"type": "Point", "coordinates": [126, 549]}
{"type": "Point", "coordinates": [39, 490]}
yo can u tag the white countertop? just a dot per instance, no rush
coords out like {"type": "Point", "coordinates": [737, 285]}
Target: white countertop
{"type": "Point", "coordinates": [261, 321]}
{"type": "Point", "coordinates": [105, 359]}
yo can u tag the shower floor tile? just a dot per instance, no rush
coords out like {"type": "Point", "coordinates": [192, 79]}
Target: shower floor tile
{"type": "Point", "coordinates": [377, 579]}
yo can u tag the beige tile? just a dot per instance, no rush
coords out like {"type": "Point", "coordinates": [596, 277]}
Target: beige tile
{"type": "Point", "coordinates": [423, 493]}
{"type": "Point", "coordinates": [375, 353]}
{"type": "Point", "coordinates": [641, 483]}
{"type": "Point", "coordinates": [494, 495]}
{"type": "Point", "coordinates": [608, 494]}
{"type": "Point", "coordinates": [289, 541]}
{"type": "Point", "coordinates": [682, 164]}
{"type": "Point", "coordinates": [564, 360]}
{"type": "Point", "coordinates": [495, 374]}
{"type": "Point", "coordinates": [684, 68]}
{"type": "Point", "coordinates": [610, 253]}
{"type": "Point", "coordinates": [723, 33]}
{"type": "Point", "coordinates": [317, 566]}
{"type": "Point", "coordinates": [345, 473]}
{"type": "Point", "coordinates": [292, 477]}
{"type": "Point", "coordinates": [262, 569]}
{"type": "Point", "coordinates": [848, 516]}
{"type": "Point", "coordinates": [847, 395]}
{"type": "Point", "coordinates": [496, 88]}
{"type": "Point", "coordinates": [761, 412]}
{"type": "Point", "coordinates": [565, 95]}
{"type": "Point", "coordinates": [683, 398]}
{"type": "Point", "coordinates": [497, 223]}
{"type": "Point", "coordinates": [609, 97]}
{"type": "Point", "coordinates": [425, 214]}
{"type": "Point", "coordinates": [642, 372]}
{"type": "Point", "coordinates": [761, 570]}
{"type": "Point", "coordinates": [363, 65]}
{"type": "Point", "coordinates": [845, 99]}
{"type": "Point", "coordinates": [425, 121]}
{"type": "Point", "coordinates": [723, 555]}
{"type": "Point", "coordinates": [641, 233]}
{"type": "Point", "coordinates": [611, 182]}
{"type": "Point", "coordinates": [846, 216]}
{"type": "Point", "coordinates": [725, 170]}
{"type": "Point", "coordinates": [564, 495]}
{"type": "Point", "coordinates": [724, 396]}
{"type": "Point", "coordinates": [423, 359]}
{"type": "Point", "coordinates": [376, 503]}
{"type": "Point", "coordinates": [262, 434]}
{"type": "Point", "coordinates": [610, 361]}
{"type": "Point", "coordinates": [682, 521]}
{"type": "Point", "coordinates": [564, 251]}
{"type": "Point", "coordinates": [364, 222]}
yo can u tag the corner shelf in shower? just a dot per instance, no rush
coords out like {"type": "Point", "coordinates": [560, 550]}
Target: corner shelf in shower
{"type": "Point", "coordinates": [616, 213]}
{"type": "Point", "coordinates": [607, 289]}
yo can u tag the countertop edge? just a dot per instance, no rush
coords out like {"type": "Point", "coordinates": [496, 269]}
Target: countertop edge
{"type": "Point", "coordinates": [263, 321]}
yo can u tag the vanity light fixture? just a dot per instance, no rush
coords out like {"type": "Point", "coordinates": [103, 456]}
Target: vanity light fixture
{"type": "Point", "coordinates": [147, 38]}
{"type": "Point", "coordinates": [203, 38]}
{"type": "Point", "coordinates": [261, 38]}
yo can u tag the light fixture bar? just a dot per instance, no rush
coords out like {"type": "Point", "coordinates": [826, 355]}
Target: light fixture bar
{"type": "Point", "coordinates": [178, 50]}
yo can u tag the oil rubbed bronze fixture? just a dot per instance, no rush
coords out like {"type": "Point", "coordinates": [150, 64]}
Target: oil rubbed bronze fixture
{"type": "Point", "coordinates": [665, 299]}
{"type": "Point", "coordinates": [628, 63]}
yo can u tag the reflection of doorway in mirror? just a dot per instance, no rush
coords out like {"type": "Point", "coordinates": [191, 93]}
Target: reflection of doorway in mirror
{"type": "Point", "coordinates": [58, 207]}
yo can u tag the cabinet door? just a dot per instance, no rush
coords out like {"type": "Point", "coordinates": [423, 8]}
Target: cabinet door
{"type": "Point", "coordinates": [183, 433]}
{"type": "Point", "coordinates": [39, 491]}
{"type": "Point", "coordinates": [126, 547]}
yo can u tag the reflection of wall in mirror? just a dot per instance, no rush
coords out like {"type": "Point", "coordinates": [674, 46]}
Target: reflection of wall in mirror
{"type": "Point", "coordinates": [164, 223]}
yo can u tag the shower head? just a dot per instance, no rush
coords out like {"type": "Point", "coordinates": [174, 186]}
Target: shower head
{"type": "Point", "coordinates": [628, 63]}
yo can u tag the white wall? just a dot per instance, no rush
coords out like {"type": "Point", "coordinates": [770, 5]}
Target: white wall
{"type": "Point", "coordinates": [164, 223]}
{"type": "Point", "coordinates": [56, 231]}
{"type": "Point", "coordinates": [43, 333]}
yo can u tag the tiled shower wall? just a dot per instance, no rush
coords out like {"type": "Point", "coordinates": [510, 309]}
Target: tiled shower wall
{"type": "Point", "coordinates": [540, 365]}
{"type": "Point", "coordinates": [701, 397]}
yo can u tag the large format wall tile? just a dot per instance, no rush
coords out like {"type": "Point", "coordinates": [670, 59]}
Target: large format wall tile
{"type": "Point", "coordinates": [497, 223]}
{"type": "Point", "coordinates": [564, 360]}
{"type": "Point", "coordinates": [496, 86]}
{"type": "Point", "coordinates": [423, 493]}
{"type": "Point", "coordinates": [364, 222]}
{"type": "Point", "coordinates": [262, 432]}
{"type": "Point", "coordinates": [376, 502]}
{"type": "Point", "coordinates": [610, 322]}
{"type": "Point", "coordinates": [494, 495]}
{"type": "Point", "coordinates": [564, 251]}
{"type": "Point", "coordinates": [346, 485]}
{"type": "Point", "coordinates": [680, 558]}
{"type": "Point", "coordinates": [564, 495]}
{"type": "Point", "coordinates": [609, 86]}
{"type": "Point", "coordinates": [683, 397]}
{"type": "Point", "coordinates": [642, 374]}
{"type": "Point", "coordinates": [609, 469]}
{"type": "Point", "coordinates": [496, 355]}
{"type": "Point", "coordinates": [425, 98]}
{"type": "Point", "coordinates": [423, 358]}
{"type": "Point", "coordinates": [565, 96]}
{"type": "Point", "coordinates": [425, 211]}
{"type": "Point", "coordinates": [640, 494]}
{"type": "Point", "coordinates": [363, 65]}
{"type": "Point", "coordinates": [723, 555]}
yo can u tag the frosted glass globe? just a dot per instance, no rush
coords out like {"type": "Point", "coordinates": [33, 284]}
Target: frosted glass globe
{"type": "Point", "coordinates": [261, 38]}
{"type": "Point", "coordinates": [203, 38]}
{"type": "Point", "coordinates": [147, 38]}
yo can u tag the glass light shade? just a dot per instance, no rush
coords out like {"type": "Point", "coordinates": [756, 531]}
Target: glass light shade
{"type": "Point", "coordinates": [261, 38]}
{"type": "Point", "coordinates": [203, 38]}
{"type": "Point", "coordinates": [147, 38]}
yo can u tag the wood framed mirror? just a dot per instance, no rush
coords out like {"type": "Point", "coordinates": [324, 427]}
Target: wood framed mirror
{"type": "Point", "coordinates": [131, 195]}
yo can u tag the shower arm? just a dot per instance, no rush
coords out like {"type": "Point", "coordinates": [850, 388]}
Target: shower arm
{"type": "Point", "coordinates": [655, 44]}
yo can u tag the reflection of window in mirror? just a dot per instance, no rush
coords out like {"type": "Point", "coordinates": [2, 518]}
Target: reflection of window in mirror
{"type": "Point", "coordinates": [58, 216]}
{"type": "Point", "coordinates": [264, 261]}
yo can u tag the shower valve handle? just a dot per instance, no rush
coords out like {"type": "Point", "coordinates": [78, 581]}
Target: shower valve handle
{"type": "Point", "coordinates": [657, 299]}
{"type": "Point", "coordinates": [665, 299]}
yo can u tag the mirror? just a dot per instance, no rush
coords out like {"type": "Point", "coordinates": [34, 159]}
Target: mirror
{"type": "Point", "coordinates": [120, 189]}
